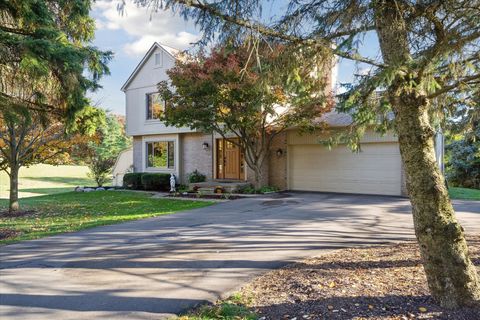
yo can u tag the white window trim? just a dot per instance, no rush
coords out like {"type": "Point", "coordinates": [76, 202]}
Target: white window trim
{"type": "Point", "coordinates": [176, 146]}
{"type": "Point", "coordinates": [159, 65]}
{"type": "Point", "coordinates": [154, 120]}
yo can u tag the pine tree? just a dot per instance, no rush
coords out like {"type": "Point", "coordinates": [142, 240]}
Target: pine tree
{"type": "Point", "coordinates": [47, 65]}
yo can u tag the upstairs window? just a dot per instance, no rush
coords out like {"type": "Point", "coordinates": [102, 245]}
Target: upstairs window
{"type": "Point", "coordinates": [161, 154]}
{"type": "Point", "coordinates": [158, 59]}
{"type": "Point", "coordinates": [155, 106]}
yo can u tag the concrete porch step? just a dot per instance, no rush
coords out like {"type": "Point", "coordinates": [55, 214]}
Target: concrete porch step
{"type": "Point", "coordinates": [206, 190]}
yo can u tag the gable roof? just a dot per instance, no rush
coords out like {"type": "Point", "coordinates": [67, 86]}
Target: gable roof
{"type": "Point", "coordinates": [171, 51]}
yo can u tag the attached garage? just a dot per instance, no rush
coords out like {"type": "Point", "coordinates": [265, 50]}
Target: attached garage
{"type": "Point", "coordinates": [375, 170]}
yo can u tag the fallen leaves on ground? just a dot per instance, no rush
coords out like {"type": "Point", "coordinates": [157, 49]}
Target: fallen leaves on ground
{"type": "Point", "coordinates": [384, 282]}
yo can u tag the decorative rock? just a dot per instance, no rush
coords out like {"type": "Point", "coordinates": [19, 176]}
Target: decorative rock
{"type": "Point", "coordinates": [79, 189]}
{"type": "Point", "coordinates": [88, 189]}
{"type": "Point", "coordinates": [100, 189]}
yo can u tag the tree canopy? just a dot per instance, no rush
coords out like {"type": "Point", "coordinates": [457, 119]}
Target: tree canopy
{"type": "Point", "coordinates": [442, 39]}
{"type": "Point", "coordinates": [46, 61]}
{"type": "Point", "coordinates": [47, 65]}
{"type": "Point", "coordinates": [234, 94]}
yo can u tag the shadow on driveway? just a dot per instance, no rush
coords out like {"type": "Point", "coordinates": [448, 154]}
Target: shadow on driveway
{"type": "Point", "coordinates": [152, 268]}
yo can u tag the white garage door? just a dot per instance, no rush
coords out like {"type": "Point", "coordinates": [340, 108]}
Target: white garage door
{"type": "Point", "coordinates": [375, 170]}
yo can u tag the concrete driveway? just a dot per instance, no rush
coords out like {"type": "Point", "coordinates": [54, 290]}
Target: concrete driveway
{"type": "Point", "coordinates": [154, 268]}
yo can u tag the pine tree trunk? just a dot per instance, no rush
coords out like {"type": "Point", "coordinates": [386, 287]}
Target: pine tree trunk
{"type": "Point", "coordinates": [452, 278]}
{"type": "Point", "coordinates": [13, 204]}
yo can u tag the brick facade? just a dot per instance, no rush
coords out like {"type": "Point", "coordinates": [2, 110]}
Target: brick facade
{"type": "Point", "coordinates": [194, 157]}
{"type": "Point", "coordinates": [277, 167]}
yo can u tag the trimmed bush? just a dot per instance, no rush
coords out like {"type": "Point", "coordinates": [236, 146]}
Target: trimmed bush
{"type": "Point", "coordinates": [250, 189]}
{"type": "Point", "coordinates": [133, 180]}
{"type": "Point", "coordinates": [156, 181]}
{"type": "Point", "coordinates": [196, 176]}
{"type": "Point", "coordinates": [247, 189]}
{"type": "Point", "coordinates": [267, 189]}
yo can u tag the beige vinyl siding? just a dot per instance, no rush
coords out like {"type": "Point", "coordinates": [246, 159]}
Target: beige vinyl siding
{"type": "Point", "coordinates": [375, 170]}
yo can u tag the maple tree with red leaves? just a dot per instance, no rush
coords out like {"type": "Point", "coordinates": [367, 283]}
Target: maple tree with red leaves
{"type": "Point", "coordinates": [252, 98]}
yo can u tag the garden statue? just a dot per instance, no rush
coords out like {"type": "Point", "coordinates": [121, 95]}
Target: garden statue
{"type": "Point", "coordinates": [172, 183]}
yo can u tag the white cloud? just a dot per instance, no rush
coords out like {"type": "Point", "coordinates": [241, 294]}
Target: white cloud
{"type": "Point", "coordinates": [144, 26]}
{"type": "Point", "coordinates": [365, 71]}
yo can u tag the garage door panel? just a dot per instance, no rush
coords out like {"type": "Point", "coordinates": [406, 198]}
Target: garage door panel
{"type": "Point", "coordinates": [372, 175]}
{"type": "Point", "coordinates": [375, 170]}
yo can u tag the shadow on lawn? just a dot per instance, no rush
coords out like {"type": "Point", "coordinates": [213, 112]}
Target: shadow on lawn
{"type": "Point", "coordinates": [66, 180]}
{"type": "Point", "coordinates": [42, 191]}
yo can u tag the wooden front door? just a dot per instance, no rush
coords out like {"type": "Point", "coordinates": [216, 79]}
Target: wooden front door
{"type": "Point", "coordinates": [229, 160]}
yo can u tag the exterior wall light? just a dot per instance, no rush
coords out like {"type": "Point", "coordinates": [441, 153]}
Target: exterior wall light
{"type": "Point", "coordinates": [205, 145]}
{"type": "Point", "coordinates": [279, 152]}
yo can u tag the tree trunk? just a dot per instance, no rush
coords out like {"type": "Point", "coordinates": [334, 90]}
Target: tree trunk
{"type": "Point", "coordinates": [451, 276]}
{"type": "Point", "coordinates": [14, 205]}
{"type": "Point", "coordinates": [255, 160]}
{"type": "Point", "coordinates": [258, 177]}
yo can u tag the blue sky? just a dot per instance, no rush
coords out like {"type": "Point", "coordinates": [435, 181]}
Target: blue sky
{"type": "Point", "coordinates": [131, 34]}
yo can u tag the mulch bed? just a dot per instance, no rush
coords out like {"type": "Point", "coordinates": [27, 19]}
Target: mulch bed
{"type": "Point", "coordinates": [17, 214]}
{"type": "Point", "coordinates": [206, 196]}
{"type": "Point", "coordinates": [8, 233]}
{"type": "Point", "coordinates": [386, 282]}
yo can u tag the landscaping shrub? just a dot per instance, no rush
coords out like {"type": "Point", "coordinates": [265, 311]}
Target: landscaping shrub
{"type": "Point", "coordinates": [156, 181]}
{"type": "Point", "coordinates": [248, 189]}
{"type": "Point", "coordinates": [133, 180]}
{"type": "Point", "coordinates": [463, 161]}
{"type": "Point", "coordinates": [182, 188]}
{"type": "Point", "coordinates": [196, 176]}
{"type": "Point", "coordinates": [100, 169]}
{"type": "Point", "coordinates": [266, 189]}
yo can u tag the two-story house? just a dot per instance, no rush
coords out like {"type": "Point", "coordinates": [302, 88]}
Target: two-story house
{"type": "Point", "coordinates": [296, 162]}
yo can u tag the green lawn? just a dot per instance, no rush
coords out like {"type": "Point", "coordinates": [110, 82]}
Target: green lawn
{"type": "Point", "coordinates": [464, 193]}
{"type": "Point", "coordinates": [44, 179]}
{"type": "Point", "coordinates": [72, 211]}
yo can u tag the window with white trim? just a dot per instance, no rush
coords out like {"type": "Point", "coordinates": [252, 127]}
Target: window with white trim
{"type": "Point", "coordinates": [158, 59]}
{"type": "Point", "coordinates": [155, 106]}
{"type": "Point", "coordinates": [160, 154]}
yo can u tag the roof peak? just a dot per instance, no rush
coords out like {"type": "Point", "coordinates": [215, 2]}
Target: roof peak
{"type": "Point", "coordinates": [171, 51]}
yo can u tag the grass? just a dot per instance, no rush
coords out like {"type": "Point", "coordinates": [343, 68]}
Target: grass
{"type": "Point", "coordinates": [45, 179]}
{"type": "Point", "coordinates": [73, 211]}
{"type": "Point", "coordinates": [464, 193]}
{"type": "Point", "coordinates": [233, 308]}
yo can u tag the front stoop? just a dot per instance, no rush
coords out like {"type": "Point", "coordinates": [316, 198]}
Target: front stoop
{"type": "Point", "coordinates": [209, 187]}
